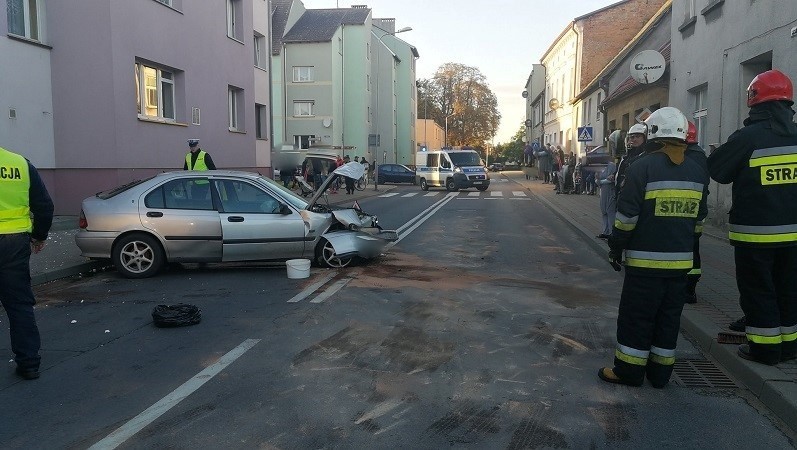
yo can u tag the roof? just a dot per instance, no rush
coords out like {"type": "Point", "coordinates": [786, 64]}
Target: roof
{"type": "Point", "coordinates": [320, 25]}
{"type": "Point", "coordinates": [279, 18]}
{"type": "Point", "coordinates": [629, 84]}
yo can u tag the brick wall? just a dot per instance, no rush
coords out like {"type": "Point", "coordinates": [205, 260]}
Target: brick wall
{"type": "Point", "coordinates": [605, 33]}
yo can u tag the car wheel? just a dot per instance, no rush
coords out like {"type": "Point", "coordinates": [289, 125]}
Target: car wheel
{"type": "Point", "coordinates": [481, 188]}
{"type": "Point", "coordinates": [424, 185]}
{"type": "Point", "coordinates": [450, 185]}
{"type": "Point", "coordinates": [326, 256]}
{"type": "Point", "coordinates": [138, 256]}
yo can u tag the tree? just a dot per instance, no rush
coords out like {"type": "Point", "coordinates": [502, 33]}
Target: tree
{"type": "Point", "coordinates": [461, 92]}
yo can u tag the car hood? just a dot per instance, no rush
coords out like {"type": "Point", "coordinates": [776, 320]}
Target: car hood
{"type": "Point", "coordinates": [352, 170]}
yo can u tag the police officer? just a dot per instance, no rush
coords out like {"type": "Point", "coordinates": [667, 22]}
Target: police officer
{"type": "Point", "coordinates": [663, 198]}
{"type": "Point", "coordinates": [22, 192]}
{"type": "Point", "coordinates": [761, 161]}
{"type": "Point", "coordinates": [196, 158]}
{"type": "Point", "coordinates": [695, 151]}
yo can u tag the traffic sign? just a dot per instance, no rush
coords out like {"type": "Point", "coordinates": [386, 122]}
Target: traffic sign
{"type": "Point", "coordinates": [584, 134]}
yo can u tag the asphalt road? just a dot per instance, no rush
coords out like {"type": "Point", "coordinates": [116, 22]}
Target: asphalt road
{"type": "Point", "coordinates": [483, 327]}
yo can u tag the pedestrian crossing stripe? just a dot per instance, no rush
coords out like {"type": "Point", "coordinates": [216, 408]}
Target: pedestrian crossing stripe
{"type": "Point", "coordinates": [411, 194]}
{"type": "Point", "coordinates": [496, 194]}
{"type": "Point", "coordinates": [389, 194]}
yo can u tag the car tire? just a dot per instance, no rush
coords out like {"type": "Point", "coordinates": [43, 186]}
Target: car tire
{"type": "Point", "coordinates": [481, 188]}
{"type": "Point", "coordinates": [138, 255]}
{"type": "Point", "coordinates": [325, 255]}
{"type": "Point", "coordinates": [424, 185]}
{"type": "Point", "coordinates": [451, 185]}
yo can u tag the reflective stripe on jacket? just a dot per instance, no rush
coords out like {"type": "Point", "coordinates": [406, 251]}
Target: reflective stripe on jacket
{"type": "Point", "coordinates": [14, 193]}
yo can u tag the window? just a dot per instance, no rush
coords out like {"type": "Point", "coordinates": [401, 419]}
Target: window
{"type": "Point", "coordinates": [188, 193]}
{"type": "Point", "coordinates": [243, 198]}
{"type": "Point", "coordinates": [700, 114]}
{"type": "Point", "coordinates": [691, 9]}
{"type": "Point", "coordinates": [261, 121]}
{"type": "Point", "coordinates": [303, 74]}
{"type": "Point", "coordinates": [154, 92]}
{"type": "Point", "coordinates": [303, 108]}
{"type": "Point", "coordinates": [24, 18]}
{"type": "Point", "coordinates": [260, 51]}
{"type": "Point", "coordinates": [234, 19]}
{"type": "Point", "coordinates": [235, 103]}
{"type": "Point", "coordinates": [303, 142]}
{"type": "Point", "coordinates": [598, 108]}
{"type": "Point", "coordinates": [165, 2]}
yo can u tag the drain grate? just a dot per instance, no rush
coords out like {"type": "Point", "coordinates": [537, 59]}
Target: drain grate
{"type": "Point", "coordinates": [700, 373]}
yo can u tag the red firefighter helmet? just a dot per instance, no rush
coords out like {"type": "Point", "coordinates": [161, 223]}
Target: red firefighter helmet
{"type": "Point", "coordinates": [691, 134]}
{"type": "Point", "coordinates": [770, 86]}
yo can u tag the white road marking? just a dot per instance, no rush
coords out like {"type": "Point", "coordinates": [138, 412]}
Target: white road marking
{"type": "Point", "coordinates": [474, 194]}
{"type": "Point", "coordinates": [136, 424]}
{"type": "Point", "coordinates": [411, 194]}
{"type": "Point", "coordinates": [518, 193]}
{"type": "Point", "coordinates": [416, 221]}
{"type": "Point", "coordinates": [312, 288]}
{"type": "Point", "coordinates": [496, 194]}
{"type": "Point", "coordinates": [389, 194]}
{"type": "Point", "coordinates": [520, 198]}
{"type": "Point", "coordinates": [431, 194]}
{"type": "Point", "coordinates": [330, 291]}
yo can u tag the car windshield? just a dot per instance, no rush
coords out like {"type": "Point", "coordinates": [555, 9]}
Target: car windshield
{"type": "Point", "coordinates": [118, 190]}
{"type": "Point", "coordinates": [465, 158]}
{"type": "Point", "coordinates": [287, 194]}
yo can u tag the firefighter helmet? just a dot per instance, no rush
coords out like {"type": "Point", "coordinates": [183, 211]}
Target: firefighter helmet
{"type": "Point", "coordinates": [667, 122]}
{"type": "Point", "coordinates": [638, 128]}
{"type": "Point", "coordinates": [770, 86]}
{"type": "Point", "coordinates": [691, 134]}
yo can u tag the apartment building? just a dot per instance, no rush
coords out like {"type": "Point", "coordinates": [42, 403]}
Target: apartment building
{"type": "Point", "coordinates": [718, 47]}
{"type": "Point", "coordinates": [534, 93]}
{"type": "Point", "coordinates": [576, 56]}
{"type": "Point", "coordinates": [429, 134]}
{"type": "Point", "coordinates": [127, 95]}
{"type": "Point", "coordinates": [342, 82]}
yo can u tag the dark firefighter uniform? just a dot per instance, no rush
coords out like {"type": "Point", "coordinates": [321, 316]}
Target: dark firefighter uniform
{"type": "Point", "coordinates": [696, 153]}
{"type": "Point", "coordinates": [761, 162]}
{"type": "Point", "coordinates": [663, 199]}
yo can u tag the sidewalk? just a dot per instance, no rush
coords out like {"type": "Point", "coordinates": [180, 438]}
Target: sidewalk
{"type": "Point", "coordinates": [717, 306]}
{"type": "Point", "coordinates": [61, 257]}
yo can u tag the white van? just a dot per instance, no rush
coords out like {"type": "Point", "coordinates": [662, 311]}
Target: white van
{"type": "Point", "coordinates": [452, 169]}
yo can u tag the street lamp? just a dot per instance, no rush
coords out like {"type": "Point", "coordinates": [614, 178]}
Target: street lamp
{"type": "Point", "coordinates": [378, 134]}
{"type": "Point", "coordinates": [446, 137]}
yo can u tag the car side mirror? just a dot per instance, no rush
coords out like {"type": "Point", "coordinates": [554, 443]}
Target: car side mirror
{"type": "Point", "coordinates": [284, 210]}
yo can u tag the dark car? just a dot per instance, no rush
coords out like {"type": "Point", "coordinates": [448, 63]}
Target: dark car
{"type": "Point", "coordinates": [598, 156]}
{"type": "Point", "coordinates": [396, 173]}
{"type": "Point", "coordinates": [496, 167]}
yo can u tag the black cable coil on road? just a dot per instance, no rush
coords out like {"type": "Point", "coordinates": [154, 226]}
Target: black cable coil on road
{"type": "Point", "coordinates": [179, 315]}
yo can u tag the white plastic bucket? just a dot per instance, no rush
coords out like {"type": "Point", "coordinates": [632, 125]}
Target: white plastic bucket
{"type": "Point", "coordinates": [298, 268]}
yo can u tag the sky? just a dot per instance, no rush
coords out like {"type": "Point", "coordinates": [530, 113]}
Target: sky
{"type": "Point", "coordinates": [501, 38]}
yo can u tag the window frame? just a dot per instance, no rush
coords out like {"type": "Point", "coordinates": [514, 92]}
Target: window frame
{"type": "Point", "coordinates": [259, 47]}
{"type": "Point", "coordinates": [143, 94]}
{"type": "Point", "coordinates": [34, 33]}
{"type": "Point", "coordinates": [235, 99]}
{"type": "Point", "coordinates": [700, 112]}
{"type": "Point", "coordinates": [261, 121]}
{"type": "Point", "coordinates": [311, 103]}
{"type": "Point", "coordinates": [297, 74]}
{"type": "Point", "coordinates": [235, 20]}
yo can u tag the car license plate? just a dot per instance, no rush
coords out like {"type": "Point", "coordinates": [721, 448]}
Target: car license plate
{"type": "Point", "coordinates": [477, 182]}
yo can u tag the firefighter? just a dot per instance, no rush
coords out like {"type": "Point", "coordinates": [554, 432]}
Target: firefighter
{"type": "Point", "coordinates": [760, 160]}
{"type": "Point", "coordinates": [663, 198]}
{"type": "Point", "coordinates": [695, 152]}
{"type": "Point", "coordinates": [636, 137]}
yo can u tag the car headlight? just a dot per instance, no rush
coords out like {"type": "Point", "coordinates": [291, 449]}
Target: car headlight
{"type": "Point", "coordinates": [457, 170]}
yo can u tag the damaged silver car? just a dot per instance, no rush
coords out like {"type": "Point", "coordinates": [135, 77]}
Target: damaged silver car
{"type": "Point", "coordinates": [223, 216]}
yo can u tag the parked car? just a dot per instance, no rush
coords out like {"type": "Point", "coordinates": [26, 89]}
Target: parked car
{"type": "Point", "coordinates": [396, 173]}
{"type": "Point", "coordinates": [598, 156]}
{"type": "Point", "coordinates": [220, 216]}
{"type": "Point", "coordinates": [512, 165]}
{"type": "Point", "coordinates": [496, 167]}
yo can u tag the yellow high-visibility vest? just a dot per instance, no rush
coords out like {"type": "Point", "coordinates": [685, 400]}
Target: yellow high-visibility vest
{"type": "Point", "coordinates": [14, 193]}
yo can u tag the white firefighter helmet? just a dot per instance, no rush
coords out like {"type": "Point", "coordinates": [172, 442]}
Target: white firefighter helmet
{"type": "Point", "coordinates": [667, 122]}
{"type": "Point", "coordinates": [638, 128]}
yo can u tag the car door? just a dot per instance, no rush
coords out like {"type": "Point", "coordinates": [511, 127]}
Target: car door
{"type": "Point", "coordinates": [390, 176]}
{"type": "Point", "coordinates": [256, 224]}
{"type": "Point", "coordinates": [180, 211]}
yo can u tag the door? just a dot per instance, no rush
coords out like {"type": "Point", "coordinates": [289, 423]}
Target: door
{"type": "Point", "coordinates": [181, 213]}
{"type": "Point", "coordinates": [254, 225]}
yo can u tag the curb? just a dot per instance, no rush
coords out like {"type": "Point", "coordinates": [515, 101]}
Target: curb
{"type": "Point", "coordinates": [52, 275]}
{"type": "Point", "coordinates": [767, 383]}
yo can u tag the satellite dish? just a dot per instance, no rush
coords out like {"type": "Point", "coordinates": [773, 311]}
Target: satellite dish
{"type": "Point", "coordinates": [525, 94]}
{"type": "Point", "coordinates": [553, 103]}
{"type": "Point", "coordinates": [647, 66]}
{"type": "Point", "coordinates": [326, 122]}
